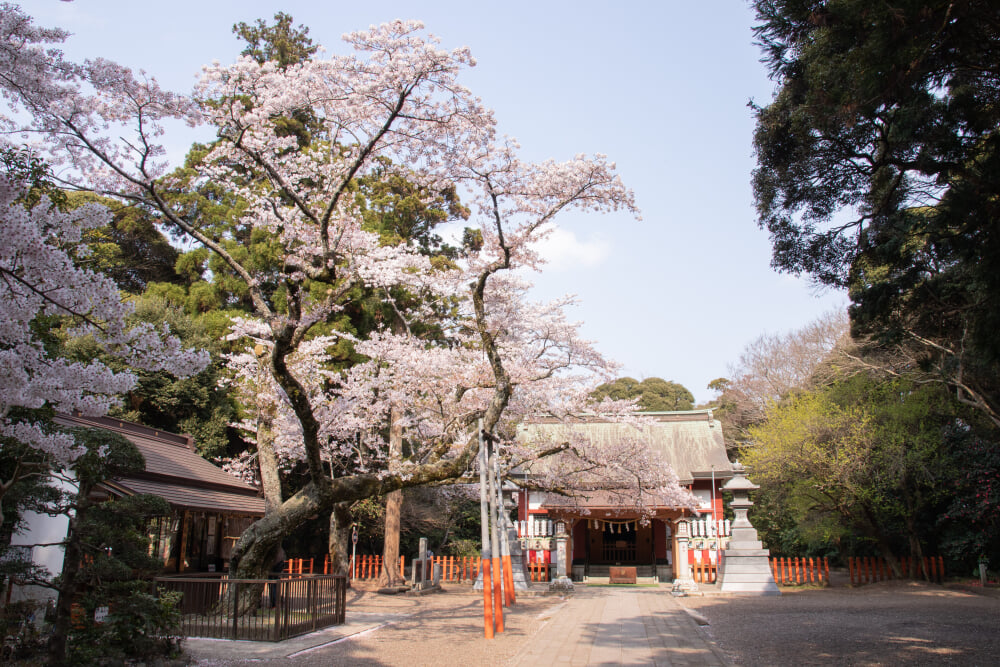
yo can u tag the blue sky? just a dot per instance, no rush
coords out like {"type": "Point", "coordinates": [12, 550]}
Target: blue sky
{"type": "Point", "coordinates": [660, 87]}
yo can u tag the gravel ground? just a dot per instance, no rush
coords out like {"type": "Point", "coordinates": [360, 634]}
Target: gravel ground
{"type": "Point", "coordinates": [892, 623]}
{"type": "Point", "coordinates": [889, 623]}
{"type": "Point", "coordinates": [440, 629]}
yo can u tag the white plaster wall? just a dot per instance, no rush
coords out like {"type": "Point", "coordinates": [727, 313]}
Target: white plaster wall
{"type": "Point", "coordinates": [42, 529]}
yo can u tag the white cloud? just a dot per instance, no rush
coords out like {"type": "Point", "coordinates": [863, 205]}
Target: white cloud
{"type": "Point", "coordinates": [563, 250]}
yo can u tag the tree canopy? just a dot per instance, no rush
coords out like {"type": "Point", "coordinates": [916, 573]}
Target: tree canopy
{"type": "Point", "coordinates": [653, 394]}
{"type": "Point", "coordinates": [466, 351]}
{"type": "Point", "coordinates": [877, 163]}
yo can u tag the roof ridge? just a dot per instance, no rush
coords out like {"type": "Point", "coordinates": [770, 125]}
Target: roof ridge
{"type": "Point", "coordinates": [124, 426]}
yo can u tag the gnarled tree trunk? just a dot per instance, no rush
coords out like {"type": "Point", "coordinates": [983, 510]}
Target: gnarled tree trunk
{"type": "Point", "coordinates": [338, 543]}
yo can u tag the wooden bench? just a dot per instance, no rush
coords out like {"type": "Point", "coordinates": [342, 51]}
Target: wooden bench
{"type": "Point", "coordinates": [622, 575]}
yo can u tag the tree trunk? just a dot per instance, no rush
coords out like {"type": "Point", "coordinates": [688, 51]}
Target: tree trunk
{"type": "Point", "coordinates": [390, 551]}
{"type": "Point", "coordinates": [267, 462]}
{"type": "Point", "coordinates": [72, 559]}
{"type": "Point", "coordinates": [390, 576]}
{"type": "Point", "coordinates": [916, 550]}
{"type": "Point", "coordinates": [338, 543]}
{"type": "Point", "coordinates": [874, 531]}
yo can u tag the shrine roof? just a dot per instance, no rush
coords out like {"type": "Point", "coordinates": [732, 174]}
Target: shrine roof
{"type": "Point", "coordinates": [174, 470]}
{"type": "Point", "coordinates": [690, 441]}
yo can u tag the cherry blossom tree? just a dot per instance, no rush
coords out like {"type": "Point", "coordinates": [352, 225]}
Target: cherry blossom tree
{"type": "Point", "coordinates": [40, 278]}
{"type": "Point", "coordinates": [44, 284]}
{"type": "Point", "coordinates": [395, 103]}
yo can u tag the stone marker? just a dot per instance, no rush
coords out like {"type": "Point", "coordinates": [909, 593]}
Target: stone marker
{"type": "Point", "coordinates": [424, 575]}
{"type": "Point", "coordinates": [561, 583]}
{"type": "Point", "coordinates": [683, 582]}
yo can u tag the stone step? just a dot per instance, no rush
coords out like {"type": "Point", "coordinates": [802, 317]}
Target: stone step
{"type": "Point", "coordinates": [605, 570]}
{"type": "Point", "coordinates": [598, 581]}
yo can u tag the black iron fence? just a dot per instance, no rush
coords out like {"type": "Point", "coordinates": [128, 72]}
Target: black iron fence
{"type": "Point", "coordinates": [257, 609]}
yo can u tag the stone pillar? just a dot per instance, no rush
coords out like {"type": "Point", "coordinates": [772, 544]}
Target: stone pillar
{"type": "Point", "coordinates": [683, 581]}
{"type": "Point", "coordinates": [745, 567]}
{"type": "Point", "coordinates": [561, 582]}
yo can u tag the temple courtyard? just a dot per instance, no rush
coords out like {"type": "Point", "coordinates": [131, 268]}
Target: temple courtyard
{"type": "Point", "coordinates": [890, 623]}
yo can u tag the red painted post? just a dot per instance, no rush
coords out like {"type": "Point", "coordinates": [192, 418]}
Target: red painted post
{"type": "Point", "coordinates": [487, 599]}
{"type": "Point", "coordinates": [826, 567]}
{"type": "Point", "coordinates": [941, 568]}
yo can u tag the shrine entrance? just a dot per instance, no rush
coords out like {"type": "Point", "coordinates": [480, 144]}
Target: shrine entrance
{"type": "Point", "coordinates": [618, 542]}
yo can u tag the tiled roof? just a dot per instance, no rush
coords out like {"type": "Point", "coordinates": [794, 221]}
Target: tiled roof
{"type": "Point", "coordinates": [175, 470]}
{"type": "Point", "coordinates": [618, 502]}
{"type": "Point", "coordinates": [192, 498]}
{"type": "Point", "coordinates": [691, 441]}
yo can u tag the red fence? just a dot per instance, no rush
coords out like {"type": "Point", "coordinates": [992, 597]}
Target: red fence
{"type": "Point", "coordinates": [453, 568]}
{"type": "Point", "coordinates": [869, 569]}
{"type": "Point", "coordinates": [800, 570]}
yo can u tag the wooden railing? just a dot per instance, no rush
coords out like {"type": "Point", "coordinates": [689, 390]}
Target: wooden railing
{"type": "Point", "coordinates": [273, 609]}
{"type": "Point", "coordinates": [538, 571]}
{"type": "Point", "coordinates": [613, 554]}
{"type": "Point", "coordinates": [704, 571]}
{"type": "Point", "coordinates": [789, 571]}
{"type": "Point", "coordinates": [870, 569]}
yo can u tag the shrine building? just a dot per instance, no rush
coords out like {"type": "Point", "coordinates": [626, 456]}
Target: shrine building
{"type": "Point", "coordinates": [604, 527]}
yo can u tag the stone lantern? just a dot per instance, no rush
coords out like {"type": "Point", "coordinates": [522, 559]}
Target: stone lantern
{"type": "Point", "coordinates": [744, 567]}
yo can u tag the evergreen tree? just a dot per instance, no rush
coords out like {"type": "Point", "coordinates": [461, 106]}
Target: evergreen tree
{"type": "Point", "coordinates": [877, 171]}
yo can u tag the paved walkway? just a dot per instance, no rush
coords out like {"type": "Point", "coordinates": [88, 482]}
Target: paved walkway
{"type": "Point", "coordinates": [220, 650]}
{"type": "Point", "coordinates": [620, 626]}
